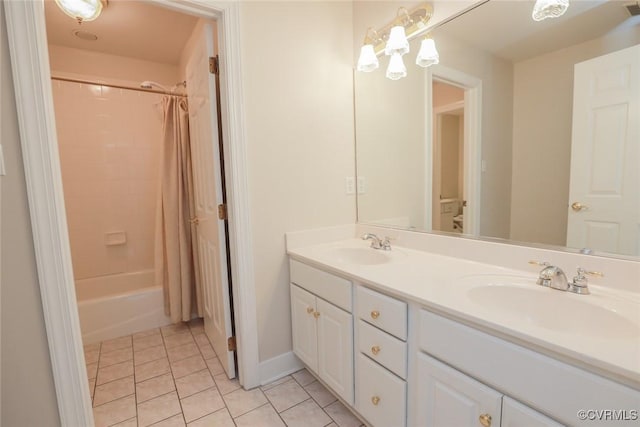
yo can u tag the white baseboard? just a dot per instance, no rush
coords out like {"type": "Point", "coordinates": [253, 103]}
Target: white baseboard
{"type": "Point", "coordinates": [279, 366]}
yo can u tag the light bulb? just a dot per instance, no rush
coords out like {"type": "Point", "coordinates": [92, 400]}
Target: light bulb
{"type": "Point", "coordinates": [82, 10]}
{"type": "Point", "coordinates": [368, 61]}
{"type": "Point", "coordinates": [396, 69]}
{"type": "Point", "coordinates": [397, 42]}
{"type": "Point", "coordinates": [428, 54]}
{"type": "Point", "coordinates": [544, 9]}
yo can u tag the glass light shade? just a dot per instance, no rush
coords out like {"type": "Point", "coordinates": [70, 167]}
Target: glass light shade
{"type": "Point", "coordinates": [82, 10]}
{"type": "Point", "coordinates": [544, 9]}
{"type": "Point", "coordinates": [368, 61]}
{"type": "Point", "coordinates": [397, 42]}
{"type": "Point", "coordinates": [396, 69]}
{"type": "Point", "coordinates": [428, 54]}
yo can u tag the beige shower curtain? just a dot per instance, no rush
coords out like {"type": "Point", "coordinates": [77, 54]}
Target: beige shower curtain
{"type": "Point", "coordinates": [175, 258]}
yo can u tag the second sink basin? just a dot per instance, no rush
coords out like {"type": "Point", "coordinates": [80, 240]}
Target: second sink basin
{"type": "Point", "coordinates": [520, 298]}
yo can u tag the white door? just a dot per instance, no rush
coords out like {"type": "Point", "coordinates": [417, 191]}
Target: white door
{"type": "Point", "coordinates": [604, 195]}
{"type": "Point", "coordinates": [304, 329]}
{"type": "Point", "coordinates": [449, 398]}
{"type": "Point", "coordinates": [515, 414]}
{"type": "Point", "coordinates": [335, 349]}
{"type": "Point", "coordinates": [205, 149]}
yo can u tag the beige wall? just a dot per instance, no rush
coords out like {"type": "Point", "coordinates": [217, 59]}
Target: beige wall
{"type": "Point", "coordinates": [70, 62]}
{"type": "Point", "coordinates": [28, 394]}
{"type": "Point", "coordinates": [543, 104]}
{"type": "Point", "coordinates": [109, 142]}
{"type": "Point", "coordinates": [297, 61]}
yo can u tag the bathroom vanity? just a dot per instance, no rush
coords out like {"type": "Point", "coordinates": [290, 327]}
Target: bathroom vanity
{"type": "Point", "coordinates": [408, 337]}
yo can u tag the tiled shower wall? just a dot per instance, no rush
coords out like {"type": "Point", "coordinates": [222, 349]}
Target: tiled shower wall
{"type": "Point", "coordinates": [109, 141]}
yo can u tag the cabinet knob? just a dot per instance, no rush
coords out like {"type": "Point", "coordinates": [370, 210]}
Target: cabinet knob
{"type": "Point", "coordinates": [485, 420]}
{"type": "Point", "coordinates": [375, 350]}
{"type": "Point", "coordinates": [375, 314]}
{"type": "Point", "coordinates": [316, 314]}
{"type": "Point", "coordinates": [309, 310]}
{"type": "Point", "coordinates": [375, 400]}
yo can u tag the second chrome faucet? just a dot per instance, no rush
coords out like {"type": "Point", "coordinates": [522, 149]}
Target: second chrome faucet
{"type": "Point", "coordinates": [553, 277]}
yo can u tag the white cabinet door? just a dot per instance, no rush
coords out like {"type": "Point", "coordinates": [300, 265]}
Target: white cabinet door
{"type": "Point", "coordinates": [303, 322]}
{"type": "Point", "coordinates": [515, 414]}
{"type": "Point", "coordinates": [335, 349]}
{"type": "Point", "coordinates": [449, 398]}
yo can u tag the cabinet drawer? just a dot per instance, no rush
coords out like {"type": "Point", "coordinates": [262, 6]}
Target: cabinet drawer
{"type": "Point", "coordinates": [388, 314]}
{"type": "Point", "coordinates": [381, 397]}
{"type": "Point", "coordinates": [327, 286]}
{"type": "Point", "coordinates": [385, 349]}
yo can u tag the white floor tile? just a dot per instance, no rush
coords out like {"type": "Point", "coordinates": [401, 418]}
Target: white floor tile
{"type": "Point", "coordinates": [240, 402]}
{"type": "Point", "coordinates": [219, 418]}
{"type": "Point", "coordinates": [201, 404]}
{"type": "Point", "coordinates": [265, 416]}
{"type": "Point", "coordinates": [286, 395]}
{"type": "Point", "coordinates": [115, 412]}
{"type": "Point", "coordinates": [158, 409]}
{"type": "Point", "coordinates": [303, 377]}
{"type": "Point", "coordinates": [154, 387]}
{"type": "Point", "coordinates": [114, 390]}
{"type": "Point", "coordinates": [194, 383]}
{"type": "Point", "coordinates": [306, 414]}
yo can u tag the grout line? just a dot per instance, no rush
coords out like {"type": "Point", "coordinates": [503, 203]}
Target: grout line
{"type": "Point", "coordinates": [173, 378]}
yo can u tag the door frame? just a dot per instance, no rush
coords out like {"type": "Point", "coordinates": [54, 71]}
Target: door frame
{"type": "Point", "coordinates": [472, 140]}
{"type": "Point", "coordinates": [32, 80]}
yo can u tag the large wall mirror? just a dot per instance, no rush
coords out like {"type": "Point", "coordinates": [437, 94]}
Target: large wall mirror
{"type": "Point", "coordinates": [526, 131]}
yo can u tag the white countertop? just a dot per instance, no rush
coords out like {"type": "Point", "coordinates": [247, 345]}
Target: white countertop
{"type": "Point", "coordinates": [438, 283]}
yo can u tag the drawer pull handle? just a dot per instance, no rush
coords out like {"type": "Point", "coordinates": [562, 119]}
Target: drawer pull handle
{"type": "Point", "coordinates": [375, 400]}
{"type": "Point", "coordinates": [309, 310]}
{"type": "Point", "coordinates": [316, 314]}
{"type": "Point", "coordinates": [375, 314]}
{"type": "Point", "coordinates": [375, 350]}
{"type": "Point", "coordinates": [485, 420]}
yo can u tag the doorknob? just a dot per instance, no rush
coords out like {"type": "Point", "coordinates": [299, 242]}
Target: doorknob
{"type": "Point", "coordinates": [577, 206]}
{"type": "Point", "coordinates": [195, 221]}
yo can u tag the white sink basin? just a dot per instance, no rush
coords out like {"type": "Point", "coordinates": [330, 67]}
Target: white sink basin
{"type": "Point", "coordinates": [523, 300]}
{"type": "Point", "coordinates": [360, 256]}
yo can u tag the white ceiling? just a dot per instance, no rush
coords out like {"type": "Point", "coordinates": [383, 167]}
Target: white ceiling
{"type": "Point", "coordinates": [130, 28]}
{"type": "Point", "coordinates": [506, 29]}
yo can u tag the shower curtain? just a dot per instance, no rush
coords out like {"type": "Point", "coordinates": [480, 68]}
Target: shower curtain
{"type": "Point", "coordinates": [175, 258]}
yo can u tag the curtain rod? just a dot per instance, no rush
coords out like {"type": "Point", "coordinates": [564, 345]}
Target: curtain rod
{"type": "Point", "coordinates": [64, 79]}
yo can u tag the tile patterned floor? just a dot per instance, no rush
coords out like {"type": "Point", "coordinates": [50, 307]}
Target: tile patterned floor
{"type": "Point", "coordinates": [171, 377]}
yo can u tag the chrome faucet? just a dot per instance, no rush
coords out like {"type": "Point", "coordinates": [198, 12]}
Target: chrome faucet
{"type": "Point", "coordinates": [376, 242]}
{"type": "Point", "coordinates": [553, 277]}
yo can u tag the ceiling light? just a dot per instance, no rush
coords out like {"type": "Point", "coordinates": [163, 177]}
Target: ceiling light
{"type": "Point", "coordinates": [428, 54]}
{"type": "Point", "coordinates": [82, 10]}
{"type": "Point", "coordinates": [544, 9]}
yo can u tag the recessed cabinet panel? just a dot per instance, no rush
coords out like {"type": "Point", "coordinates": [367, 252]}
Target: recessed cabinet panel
{"type": "Point", "coordinates": [385, 349]}
{"type": "Point", "coordinates": [331, 288]}
{"type": "Point", "coordinates": [450, 398]}
{"type": "Point", "coordinates": [386, 313]}
{"type": "Point", "coordinates": [335, 345]}
{"type": "Point", "coordinates": [515, 414]}
{"type": "Point", "coordinates": [381, 396]}
{"type": "Point", "coordinates": [303, 323]}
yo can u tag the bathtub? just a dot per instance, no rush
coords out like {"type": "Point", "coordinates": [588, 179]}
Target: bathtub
{"type": "Point", "coordinates": [119, 304]}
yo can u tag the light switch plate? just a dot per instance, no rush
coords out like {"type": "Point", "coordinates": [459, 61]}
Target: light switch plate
{"type": "Point", "coordinates": [350, 185]}
{"type": "Point", "coordinates": [362, 185]}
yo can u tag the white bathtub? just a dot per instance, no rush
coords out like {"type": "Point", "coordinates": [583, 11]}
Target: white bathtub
{"type": "Point", "coordinates": [118, 305]}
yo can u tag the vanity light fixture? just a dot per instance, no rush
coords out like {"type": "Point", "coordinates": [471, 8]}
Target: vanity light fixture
{"type": "Point", "coordinates": [82, 10]}
{"type": "Point", "coordinates": [544, 9]}
{"type": "Point", "coordinates": [393, 39]}
{"type": "Point", "coordinates": [428, 54]}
